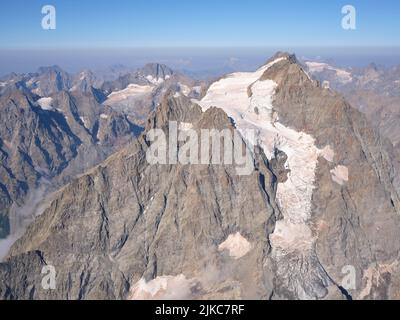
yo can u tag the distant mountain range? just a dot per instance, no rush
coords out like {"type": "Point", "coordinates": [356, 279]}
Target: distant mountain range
{"type": "Point", "coordinates": [56, 125]}
{"type": "Point", "coordinates": [373, 90]}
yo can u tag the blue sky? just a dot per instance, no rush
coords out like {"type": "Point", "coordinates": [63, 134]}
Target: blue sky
{"type": "Point", "coordinates": [199, 35]}
{"type": "Point", "coordinates": [168, 23]}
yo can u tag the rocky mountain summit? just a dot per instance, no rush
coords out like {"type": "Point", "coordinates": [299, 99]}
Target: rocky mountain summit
{"type": "Point", "coordinates": [319, 201]}
{"type": "Point", "coordinates": [139, 92]}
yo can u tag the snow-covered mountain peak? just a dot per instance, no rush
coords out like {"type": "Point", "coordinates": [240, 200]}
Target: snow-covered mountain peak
{"type": "Point", "coordinates": [248, 98]}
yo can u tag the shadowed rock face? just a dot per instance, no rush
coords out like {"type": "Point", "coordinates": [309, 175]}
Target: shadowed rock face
{"type": "Point", "coordinates": [45, 141]}
{"type": "Point", "coordinates": [33, 142]}
{"type": "Point", "coordinates": [323, 201]}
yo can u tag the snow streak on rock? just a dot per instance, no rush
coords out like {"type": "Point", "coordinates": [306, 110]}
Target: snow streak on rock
{"type": "Point", "coordinates": [340, 174]}
{"type": "Point", "coordinates": [236, 244]}
{"type": "Point", "coordinates": [45, 103]}
{"type": "Point", "coordinates": [162, 288]}
{"type": "Point", "coordinates": [133, 90]}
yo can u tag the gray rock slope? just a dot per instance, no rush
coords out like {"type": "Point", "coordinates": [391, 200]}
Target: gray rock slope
{"type": "Point", "coordinates": [48, 144]}
{"type": "Point", "coordinates": [204, 232]}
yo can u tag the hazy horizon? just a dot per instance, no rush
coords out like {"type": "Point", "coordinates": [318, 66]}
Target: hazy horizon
{"type": "Point", "coordinates": [194, 59]}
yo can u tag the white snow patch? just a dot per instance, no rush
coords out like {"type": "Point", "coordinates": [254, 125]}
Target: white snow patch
{"type": "Point", "coordinates": [82, 76]}
{"type": "Point", "coordinates": [184, 89]}
{"type": "Point", "coordinates": [236, 244]}
{"type": "Point", "coordinates": [340, 174]}
{"type": "Point", "coordinates": [162, 288]}
{"type": "Point", "coordinates": [45, 103]}
{"type": "Point", "coordinates": [344, 76]}
{"type": "Point", "coordinates": [290, 236]}
{"type": "Point", "coordinates": [328, 153]}
{"type": "Point", "coordinates": [196, 89]}
{"type": "Point", "coordinates": [133, 90]}
{"type": "Point", "coordinates": [153, 80]}
{"type": "Point", "coordinates": [317, 67]}
{"type": "Point", "coordinates": [326, 84]}
{"type": "Point", "coordinates": [31, 82]}
{"type": "Point", "coordinates": [37, 91]}
{"type": "Point", "coordinates": [294, 195]}
{"type": "Point", "coordinates": [104, 116]}
{"type": "Point", "coordinates": [85, 122]}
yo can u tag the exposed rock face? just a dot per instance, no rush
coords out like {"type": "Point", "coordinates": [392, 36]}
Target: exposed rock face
{"type": "Point", "coordinates": [33, 142]}
{"type": "Point", "coordinates": [49, 80]}
{"type": "Point", "coordinates": [156, 72]}
{"type": "Point", "coordinates": [50, 139]}
{"type": "Point", "coordinates": [319, 200]}
{"type": "Point", "coordinates": [74, 131]}
{"type": "Point", "coordinates": [129, 220]}
{"type": "Point", "coordinates": [85, 81]}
